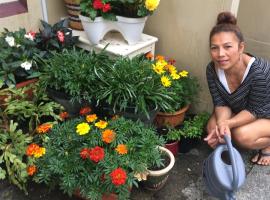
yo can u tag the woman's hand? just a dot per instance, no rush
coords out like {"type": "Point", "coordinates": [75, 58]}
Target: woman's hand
{"type": "Point", "coordinates": [212, 138]}
{"type": "Point", "coordinates": [222, 129]}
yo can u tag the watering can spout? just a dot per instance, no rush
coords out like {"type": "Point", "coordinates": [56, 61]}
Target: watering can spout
{"type": "Point", "coordinates": [222, 178]}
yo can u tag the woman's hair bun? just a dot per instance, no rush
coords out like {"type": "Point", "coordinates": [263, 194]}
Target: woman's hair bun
{"type": "Point", "coordinates": [226, 18]}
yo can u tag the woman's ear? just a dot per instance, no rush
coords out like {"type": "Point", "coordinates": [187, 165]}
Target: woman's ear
{"type": "Point", "coordinates": [241, 47]}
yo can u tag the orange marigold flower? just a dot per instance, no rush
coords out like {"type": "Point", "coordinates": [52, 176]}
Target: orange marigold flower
{"type": "Point", "coordinates": [91, 118]}
{"type": "Point", "coordinates": [118, 176]}
{"type": "Point", "coordinates": [121, 149]}
{"type": "Point", "coordinates": [108, 136]}
{"type": "Point", "coordinates": [101, 124]}
{"type": "Point", "coordinates": [31, 170]}
{"type": "Point", "coordinates": [159, 57]}
{"type": "Point", "coordinates": [44, 128]}
{"type": "Point", "coordinates": [149, 55]}
{"type": "Point", "coordinates": [64, 115]}
{"type": "Point", "coordinates": [85, 110]}
{"type": "Point", "coordinates": [31, 149]}
{"type": "Point", "coordinates": [96, 154]}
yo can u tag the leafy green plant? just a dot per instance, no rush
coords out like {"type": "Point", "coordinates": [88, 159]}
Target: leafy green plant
{"type": "Point", "coordinates": [108, 9]}
{"type": "Point", "coordinates": [73, 72]}
{"type": "Point", "coordinates": [194, 127]}
{"type": "Point", "coordinates": [132, 83]}
{"type": "Point", "coordinates": [18, 57]}
{"type": "Point", "coordinates": [23, 109]}
{"type": "Point", "coordinates": [182, 87]}
{"type": "Point", "coordinates": [55, 37]}
{"type": "Point", "coordinates": [173, 134]}
{"type": "Point", "coordinates": [97, 157]}
{"type": "Point", "coordinates": [13, 143]}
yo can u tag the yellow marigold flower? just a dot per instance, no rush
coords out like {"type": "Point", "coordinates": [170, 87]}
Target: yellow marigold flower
{"type": "Point", "coordinates": [121, 149]}
{"type": "Point", "coordinates": [158, 69]}
{"type": "Point", "coordinates": [83, 128]}
{"type": "Point", "coordinates": [161, 63]}
{"type": "Point", "coordinates": [39, 152]}
{"type": "Point", "coordinates": [151, 4]}
{"type": "Point", "coordinates": [183, 73]}
{"type": "Point", "coordinates": [165, 81]}
{"type": "Point", "coordinates": [172, 69]}
{"type": "Point", "coordinates": [101, 124]}
{"type": "Point", "coordinates": [108, 136]}
{"type": "Point", "coordinates": [175, 76]}
{"type": "Point", "coordinates": [91, 118]}
{"type": "Point", "coordinates": [44, 128]}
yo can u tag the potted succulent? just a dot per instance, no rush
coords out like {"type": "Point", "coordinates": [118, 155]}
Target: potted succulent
{"type": "Point", "coordinates": [93, 157]}
{"type": "Point", "coordinates": [70, 79]}
{"type": "Point", "coordinates": [182, 87]}
{"type": "Point", "coordinates": [126, 16]}
{"type": "Point", "coordinates": [18, 57]}
{"type": "Point", "coordinates": [192, 130]}
{"type": "Point", "coordinates": [131, 88]}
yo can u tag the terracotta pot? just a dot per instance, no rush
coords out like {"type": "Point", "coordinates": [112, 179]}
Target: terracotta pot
{"type": "Point", "coordinates": [171, 119]}
{"type": "Point", "coordinates": [173, 147]}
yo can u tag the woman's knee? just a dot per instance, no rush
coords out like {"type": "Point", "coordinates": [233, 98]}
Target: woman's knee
{"type": "Point", "coordinates": [242, 138]}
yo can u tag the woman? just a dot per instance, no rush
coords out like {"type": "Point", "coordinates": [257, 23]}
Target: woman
{"type": "Point", "coordinates": [239, 84]}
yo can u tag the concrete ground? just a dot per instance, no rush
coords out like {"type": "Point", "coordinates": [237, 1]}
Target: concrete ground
{"type": "Point", "coordinates": [184, 182]}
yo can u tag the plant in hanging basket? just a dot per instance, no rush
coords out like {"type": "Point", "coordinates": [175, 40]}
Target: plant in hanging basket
{"type": "Point", "coordinates": [97, 157]}
{"type": "Point", "coordinates": [109, 9]}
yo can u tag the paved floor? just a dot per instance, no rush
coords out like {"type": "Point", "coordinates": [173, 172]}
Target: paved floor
{"type": "Point", "coordinates": [184, 183]}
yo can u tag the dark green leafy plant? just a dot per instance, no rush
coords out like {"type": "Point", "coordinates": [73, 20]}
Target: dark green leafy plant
{"type": "Point", "coordinates": [18, 57]}
{"type": "Point", "coordinates": [55, 37]}
{"type": "Point", "coordinates": [73, 72]}
{"type": "Point", "coordinates": [83, 156]}
{"type": "Point", "coordinates": [173, 134]}
{"type": "Point", "coordinates": [13, 165]}
{"type": "Point", "coordinates": [194, 128]}
{"type": "Point", "coordinates": [132, 83]}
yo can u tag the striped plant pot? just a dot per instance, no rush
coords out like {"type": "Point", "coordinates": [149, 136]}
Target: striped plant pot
{"type": "Point", "coordinates": [74, 10]}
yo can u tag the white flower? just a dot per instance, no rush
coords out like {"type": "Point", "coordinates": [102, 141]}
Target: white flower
{"type": "Point", "coordinates": [26, 65]}
{"type": "Point", "coordinates": [10, 40]}
{"type": "Point", "coordinates": [30, 35]}
{"type": "Point", "coordinates": [141, 176]}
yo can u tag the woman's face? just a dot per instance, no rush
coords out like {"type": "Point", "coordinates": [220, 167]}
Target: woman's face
{"type": "Point", "coordinates": [225, 50]}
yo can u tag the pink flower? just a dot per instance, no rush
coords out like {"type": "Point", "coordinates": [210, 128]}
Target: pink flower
{"type": "Point", "coordinates": [106, 8]}
{"type": "Point", "coordinates": [97, 4]}
{"type": "Point", "coordinates": [60, 36]}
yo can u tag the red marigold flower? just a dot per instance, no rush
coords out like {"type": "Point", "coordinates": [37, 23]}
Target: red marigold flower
{"type": "Point", "coordinates": [61, 36]}
{"type": "Point", "coordinates": [31, 170]}
{"type": "Point", "coordinates": [44, 128]}
{"type": "Point", "coordinates": [118, 176]}
{"type": "Point", "coordinates": [106, 8]}
{"type": "Point", "coordinates": [96, 154]}
{"type": "Point", "coordinates": [85, 110]}
{"type": "Point", "coordinates": [84, 153]}
{"type": "Point", "coordinates": [31, 149]}
{"type": "Point", "coordinates": [97, 4]}
{"type": "Point", "coordinates": [171, 61]}
{"type": "Point", "coordinates": [64, 115]}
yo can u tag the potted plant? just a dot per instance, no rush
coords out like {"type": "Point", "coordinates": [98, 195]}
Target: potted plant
{"type": "Point", "coordinates": [131, 88]}
{"type": "Point", "coordinates": [70, 79]}
{"type": "Point", "coordinates": [192, 130]}
{"type": "Point", "coordinates": [127, 16]}
{"type": "Point", "coordinates": [94, 157]}
{"type": "Point", "coordinates": [18, 57]}
{"type": "Point", "coordinates": [182, 87]}
{"type": "Point", "coordinates": [74, 10]}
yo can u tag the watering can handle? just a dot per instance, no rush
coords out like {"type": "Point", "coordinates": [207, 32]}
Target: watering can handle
{"type": "Point", "coordinates": [233, 162]}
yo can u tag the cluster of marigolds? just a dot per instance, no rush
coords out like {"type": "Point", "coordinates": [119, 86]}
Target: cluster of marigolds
{"type": "Point", "coordinates": [95, 154]}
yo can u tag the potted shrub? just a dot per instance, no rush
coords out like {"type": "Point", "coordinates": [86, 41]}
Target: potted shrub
{"type": "Point", "coordinates": [128, 17]}
{"type": "Point", "coordinates": [182, 87]}
{"type": "Point", "coordinates": [192, 130]}
{"type": "Point", "coordinates": [70, 79]}
{"type": "Point", "coordinates": [18, 57]}
{"type": "Point", "coordinates": [131, 88]}
{"type": "Point", "coordinates": [94, 157]}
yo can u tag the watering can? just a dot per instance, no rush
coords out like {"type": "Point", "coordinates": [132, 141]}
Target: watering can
{"type": "Point", "coordinates": [222, 176]}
